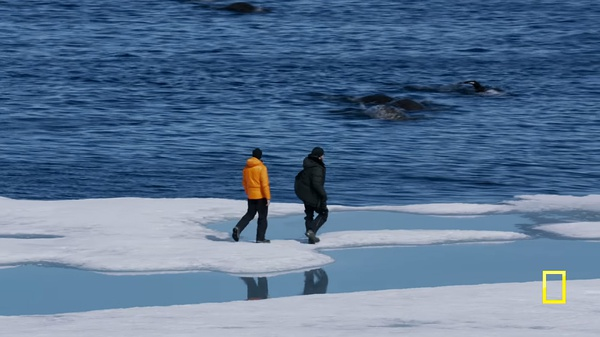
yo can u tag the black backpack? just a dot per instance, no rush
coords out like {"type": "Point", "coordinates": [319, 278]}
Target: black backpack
{"type": "Point", "coordinates": [297, 180]}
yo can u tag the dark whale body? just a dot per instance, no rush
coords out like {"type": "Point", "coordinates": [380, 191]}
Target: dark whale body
{"type": "Point", "coordinates": [403, 103]}
{"type": "Point", "coordinates": [408, 104]}
{"type": "Point", "coordinates": [244, 7]}
{"type": "Point", "coordinates": [376, 99]}
{"type": "Point", "coordinates": [476, 85]}
{"type": "Point", "coordinates": [480, 89]}
{"type": "Point", "coordinates": [387, 112]}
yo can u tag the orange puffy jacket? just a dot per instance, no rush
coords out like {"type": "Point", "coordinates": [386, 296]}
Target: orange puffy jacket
{"type": "Point", "coordinates": [256, 179]}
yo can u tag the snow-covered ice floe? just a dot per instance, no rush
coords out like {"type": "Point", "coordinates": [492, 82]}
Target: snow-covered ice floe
{"type": "Point", "coordinates": [491, 310]}
{"type": "Point", "coordinates": [137, 235]}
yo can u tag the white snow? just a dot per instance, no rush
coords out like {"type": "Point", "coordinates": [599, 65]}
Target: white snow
{"type": "Point", "coordinates": [134, 235]}
{"type": "Point", "coordinates": [521, 204]}
{"type": "Point", "coordinates": [349, 239]}
{"type": "Point", "coordinates": [579, 230]}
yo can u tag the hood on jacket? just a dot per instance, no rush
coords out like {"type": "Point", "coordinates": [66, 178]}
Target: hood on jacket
{"type": "Point", "coordinates": [310, 162]}
{"type": "Point", "coordinates": [253, 161]}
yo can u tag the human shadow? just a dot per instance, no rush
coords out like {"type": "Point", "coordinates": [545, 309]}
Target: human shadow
{"type": "Point", "coordinates": [315, 282]}
{"type": "Point", "coordinates": [257, 289]}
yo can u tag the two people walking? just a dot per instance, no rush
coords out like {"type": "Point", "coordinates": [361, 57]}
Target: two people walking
{"type": "Point", "coordinates": [309, 187]}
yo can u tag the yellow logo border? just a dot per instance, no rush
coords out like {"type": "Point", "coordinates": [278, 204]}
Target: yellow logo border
{"type": "Point", "coordinates": [563, 274]}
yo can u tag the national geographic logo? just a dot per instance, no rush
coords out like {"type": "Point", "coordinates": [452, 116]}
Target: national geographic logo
{"type": "Point", "coordinates": [563, 275]}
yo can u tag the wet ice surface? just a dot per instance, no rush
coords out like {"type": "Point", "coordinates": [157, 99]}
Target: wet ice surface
{"type": "Point", "coordinates": [507, 309]}
{"type": "Point", "coordinates": [133, 235]}
{"type": "Point", "coordinates": [43, 288]}
{"type": "Point", "coordinates": [48, 290]}
{"type": "Point", "coordinates": [147, 257]}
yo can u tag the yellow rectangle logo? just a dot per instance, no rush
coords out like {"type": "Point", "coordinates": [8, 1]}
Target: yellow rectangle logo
{"type": "Point", "coordinates": [563, 274]}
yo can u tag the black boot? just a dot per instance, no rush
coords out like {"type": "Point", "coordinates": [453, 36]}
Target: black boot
{"type": "Point", "coordinates": [235, 234]}
{"type": "Point", "coordinates": [312, 237]}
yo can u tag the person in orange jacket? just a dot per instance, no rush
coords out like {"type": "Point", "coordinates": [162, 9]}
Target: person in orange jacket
{"type": "Point", "coordinates": [256, 184]}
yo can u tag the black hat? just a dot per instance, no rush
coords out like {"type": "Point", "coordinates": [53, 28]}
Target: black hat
{"type": "Point", "coordinates": [257, 153]}
{"type": "Point", "coordinates": [317, 152]}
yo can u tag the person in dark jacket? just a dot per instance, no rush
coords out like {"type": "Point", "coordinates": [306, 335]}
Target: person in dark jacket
{"type": "Point", "coordinates": [310, 188]}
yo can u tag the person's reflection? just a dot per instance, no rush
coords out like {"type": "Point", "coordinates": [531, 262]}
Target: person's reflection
{"type": "Point", "coordinates": [315, 282]}
{"type": "Point", "coordinates": [257, 290]}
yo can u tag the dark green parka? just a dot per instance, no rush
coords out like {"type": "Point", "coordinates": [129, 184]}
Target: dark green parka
{"type": "Point", "coordinates": [310, 182]}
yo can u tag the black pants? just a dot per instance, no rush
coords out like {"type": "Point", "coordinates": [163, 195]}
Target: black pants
{"type": "Point", "coordinates": [260, 206]}
{"type": "Point", "coordinates": [310, 222]}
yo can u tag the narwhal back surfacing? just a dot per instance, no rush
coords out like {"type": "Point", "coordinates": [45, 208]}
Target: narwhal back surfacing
{"type": "Point", "coordinates": [386, 111]}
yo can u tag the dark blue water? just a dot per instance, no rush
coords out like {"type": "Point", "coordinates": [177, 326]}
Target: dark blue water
{"type": "Point", "coordinates": [168, 98]}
